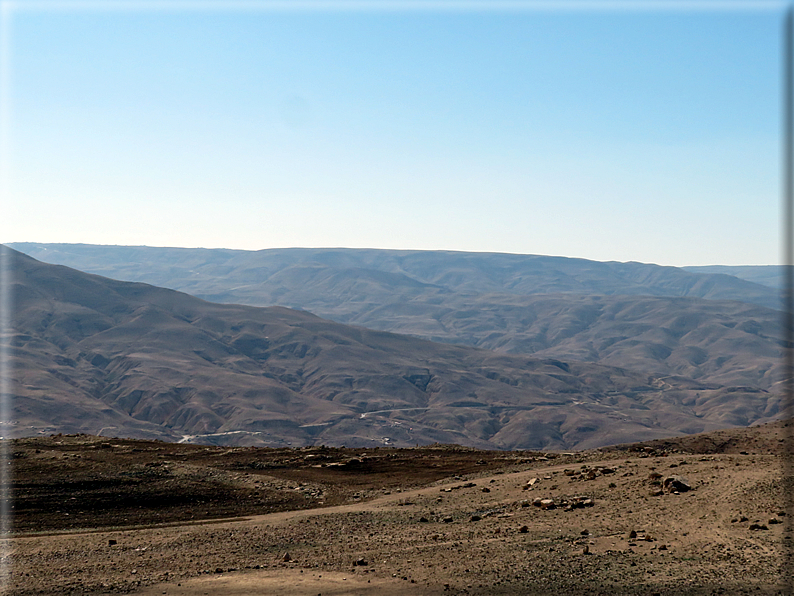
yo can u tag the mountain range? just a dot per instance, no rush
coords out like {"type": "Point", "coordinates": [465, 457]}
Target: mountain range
{"type": "Point", "coordinates": [96, 355]}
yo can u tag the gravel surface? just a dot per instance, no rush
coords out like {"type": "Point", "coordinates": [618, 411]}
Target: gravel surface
{"type": "Point", "coordinates": [618, 525]}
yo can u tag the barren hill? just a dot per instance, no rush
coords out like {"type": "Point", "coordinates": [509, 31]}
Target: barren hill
{"type": "Point", "coordinates": [656, 320]}
{"type": "Point", "coordinates": [96, 355]}
{"type": "Point", "coordinates": [765, 275]}
{"type": "Point", "coordinates": [298, 277]}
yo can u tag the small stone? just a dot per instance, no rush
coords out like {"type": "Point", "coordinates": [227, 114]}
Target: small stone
{"type": "Point", "coordinates": [677, 484]}
{"type": "Point", "coordinates": [286, 558]}
{"type": "Point", "coordinates": [112, 542]}
{"type": "Point", "coordinates": [585, 532]}
{"type": "Point", "coordinates": [586, 550]}
{"type": "Point", "coordinates": [523, 529]}
{"type": "Point", "coordinates": [758, 527]}
{"type": "Point", "coordinates": [485, 489]}
{"type": "Point", "coordinates": [475, 518]}
{"type": "Point", "coordinates": [632, 535]}
{"type": "Point", "coordinates": [361, 561]}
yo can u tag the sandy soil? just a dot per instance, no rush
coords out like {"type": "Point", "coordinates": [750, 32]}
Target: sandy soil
{"type": "Point", "coordinates": [478, 533]}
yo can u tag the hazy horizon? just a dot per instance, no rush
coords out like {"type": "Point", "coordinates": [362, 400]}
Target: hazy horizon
{"type": "Point", "coordinates": [395, 249]}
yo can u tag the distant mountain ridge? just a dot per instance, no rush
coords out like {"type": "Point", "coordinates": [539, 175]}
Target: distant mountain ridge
{"type": "Point", "coordinates": [260, 277]}
{"type": "Point", "coordinates": [766, 275]}
{"type": "Point", "coordinates": [616, 314]}
{"type": "Point", "coordinates": [91, 354]}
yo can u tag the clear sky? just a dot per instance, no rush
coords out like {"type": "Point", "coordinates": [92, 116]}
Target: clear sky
{"type": "Point", "coordinates": [638, 132]}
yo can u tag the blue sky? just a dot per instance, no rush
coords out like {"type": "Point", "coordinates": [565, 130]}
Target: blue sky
{"type": "Point", "coordinates": [612, 134]}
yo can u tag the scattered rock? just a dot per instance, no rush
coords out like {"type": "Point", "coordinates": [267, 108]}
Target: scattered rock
{"type": "Point", "coordinates": [286, 558]}
{"type": "Point", "coordinates": [475, 518]}
{"type": "Point", "coordinates": [112, 542]}
{"type": "Point", "coordinates": [677, 483]}
{"type": "Point", "coordinates": [758, 527]}
{"type": "Point", "coordinates": [361, 562]}
{"type": "Point", "coordinates": [524, 529]}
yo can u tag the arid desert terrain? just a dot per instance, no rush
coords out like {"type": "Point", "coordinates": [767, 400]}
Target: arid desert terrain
{"type": "Point", "coordinates": [702, 514]}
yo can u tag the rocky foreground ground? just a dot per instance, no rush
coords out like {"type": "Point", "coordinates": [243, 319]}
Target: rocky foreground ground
{"type": "Point", "coordinates": [696, 515]}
